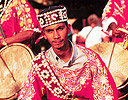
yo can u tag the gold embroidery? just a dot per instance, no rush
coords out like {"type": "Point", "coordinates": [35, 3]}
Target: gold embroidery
{"type": "Point", "coordinates": [27, 9]}
{"type": "Point", "coordinates": [23, 1]}
{"type": "Point", "coordinates": [29, 20]}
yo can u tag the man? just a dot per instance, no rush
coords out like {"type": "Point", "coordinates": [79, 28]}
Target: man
{"type": "Point", "coordinates": [93, 33]}
{"type": "Point", "coordinates": [18, 19]}
{"type": "Point", "coordinates": [66, 71]}
{"type": "Point", "coordinates": [114, 19]}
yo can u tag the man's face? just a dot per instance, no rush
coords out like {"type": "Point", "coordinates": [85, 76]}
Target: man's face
{"type": "Point", "coordinates": [57, 35]}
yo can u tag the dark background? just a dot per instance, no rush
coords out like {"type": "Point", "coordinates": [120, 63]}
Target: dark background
{"type": "Point", "coordinates": [79, 9]}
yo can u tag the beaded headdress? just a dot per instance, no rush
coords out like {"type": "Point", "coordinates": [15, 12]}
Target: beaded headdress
{"type": "Point", "coordinates": [52, 15]}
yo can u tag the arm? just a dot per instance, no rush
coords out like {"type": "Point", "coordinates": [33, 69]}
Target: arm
{"type": "Point", "coordinates": [109, 15]}
{"type": "Point", "coordinates": [18, 22]}
{"type": "Point", "coordinates": [20, 37]}
{"type": "Point", "coordinates": [113, 17]}
{"type": "Point", "coordinates": [115, 32]}
{"type": "Point", "coordinates": [106, 39]}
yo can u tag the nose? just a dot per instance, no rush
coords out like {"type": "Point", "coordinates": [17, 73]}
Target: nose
{"type": "Point", "coordinates": [56, 34]}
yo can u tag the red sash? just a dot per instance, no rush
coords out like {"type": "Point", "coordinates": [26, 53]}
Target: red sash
{"type": "Point", "coordinates": [49, 78]}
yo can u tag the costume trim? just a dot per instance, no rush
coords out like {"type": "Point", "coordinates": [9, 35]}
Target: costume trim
{"type": "Point", "coordinates": [47, 76]}
{"type": "Point", "coordinates": [52, 17]}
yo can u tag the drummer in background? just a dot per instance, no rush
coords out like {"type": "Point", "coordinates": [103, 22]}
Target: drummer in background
{"type": "Point", "coordinates": [66, 71]}
{"type": "Point", "coordinates": [93, 33]}
{"type": "Point", "coordinates": [18, 21]}
{"type": "Point", "coordinates": [114, 17]}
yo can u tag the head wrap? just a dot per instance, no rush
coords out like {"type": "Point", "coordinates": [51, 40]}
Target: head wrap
{"type": "Point", "coordinates": [52, 15]}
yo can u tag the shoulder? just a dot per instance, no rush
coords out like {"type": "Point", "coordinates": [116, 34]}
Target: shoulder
{"type": "Point", "coordinates": [38, 58]}
{"type": "Point", "coordinates": [86, 28]}
{"type": "Point", "coordinates": [91, 55]}
{"type": "Point", "coordinates": [87, 51]}
{"type": "Point", "coordinates": [85, 31]}
{"type": "Point", "coordinates": [98, 28]}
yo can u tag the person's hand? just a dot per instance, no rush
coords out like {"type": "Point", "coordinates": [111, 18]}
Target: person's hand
{"type": "Point", "coordinates": [118, 33]}
{"type": "Point", "coordinates": [115, 31]}
{"type": "Point", "coordinates": [2, 43]}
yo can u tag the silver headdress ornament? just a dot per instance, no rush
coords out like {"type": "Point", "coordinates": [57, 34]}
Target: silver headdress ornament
{"type": "Point", "coordinates": [52, 16]}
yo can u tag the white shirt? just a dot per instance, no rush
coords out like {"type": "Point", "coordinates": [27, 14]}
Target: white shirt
{"type": "Point", "coordinates": [95, 36]}
{"type": "Point", "coordinates": [77, 60]}
{"type": "Point", "coordinates": [107, 22]}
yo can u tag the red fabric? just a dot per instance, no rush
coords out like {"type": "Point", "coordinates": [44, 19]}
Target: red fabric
{"type": "Point", "coordinates": [18, 17]}
{"type": "Point", "coordinates": [118, 10]}
{"type": "Point", "coordinates": [93, 81]}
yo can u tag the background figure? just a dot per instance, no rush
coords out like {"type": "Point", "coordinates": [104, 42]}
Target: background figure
{"type": "Point", "coordinates": [66, 70]}
{"type": "Point", "coordinates": [114, 22]}
{"type": "Point", "coordinates": [74, 35]}
{"type": "Point", "coordinates": [74, 30]}
{"type": "Point", "coordinates": [93, 34]}
{"type": "Point", "coordinates": [76, 27]}
{"type": "Point", "coordinates": [114, 17]}
{"type": "Point", "coordinates": [17, 21]}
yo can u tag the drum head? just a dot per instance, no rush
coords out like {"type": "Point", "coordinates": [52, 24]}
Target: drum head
{"type": "Point", "coordinates": [15, 64]}
{"type": "Point", "coordinates": [119, 62]}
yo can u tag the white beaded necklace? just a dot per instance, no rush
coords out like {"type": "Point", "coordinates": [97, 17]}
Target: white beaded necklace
{"type": "Point", "coordinates": [4, 7]}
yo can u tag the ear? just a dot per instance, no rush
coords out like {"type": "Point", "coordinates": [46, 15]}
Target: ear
{"type": "Point", "coordinates": [44, 35]}
{"type": "Point", "coordinates": [69, 28]}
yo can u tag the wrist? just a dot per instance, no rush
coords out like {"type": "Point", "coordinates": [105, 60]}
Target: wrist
{"type": "Point", "coordinates": [3, 43]}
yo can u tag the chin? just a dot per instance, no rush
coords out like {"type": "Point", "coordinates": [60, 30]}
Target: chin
{"type": "Point", "coordinates": [60, 46]}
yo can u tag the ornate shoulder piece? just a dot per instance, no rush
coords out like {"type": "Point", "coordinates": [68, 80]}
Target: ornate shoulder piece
{"type": "Point", "coordinates": [48, 77]}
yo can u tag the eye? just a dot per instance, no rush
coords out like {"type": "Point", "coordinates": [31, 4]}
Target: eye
{"type": "Point", "coordinates": [60, 28]}
{"type": "Point", "coordinates": [49, 31]}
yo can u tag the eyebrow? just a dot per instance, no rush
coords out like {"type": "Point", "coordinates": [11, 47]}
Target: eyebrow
{"type": "Point", "coordinates": [57, 27]}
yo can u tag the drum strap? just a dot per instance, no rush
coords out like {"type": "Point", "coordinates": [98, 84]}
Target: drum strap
{"type": "Point", "coordinates": [88, 34]}
{"type": "Point", "coordinates": [112, 53]}
{"type": "Point", "coordinates": [49, 79]}
{"type": "Point", "coordinates": [2, 33]}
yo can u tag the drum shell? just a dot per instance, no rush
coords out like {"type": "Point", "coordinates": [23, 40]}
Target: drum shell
{"type": "Point", "coordinates": [118, 64]}
{"type": "Point", "coordinates": [119, 61]}
{"type": "Point", "coordinates": [15, 63]}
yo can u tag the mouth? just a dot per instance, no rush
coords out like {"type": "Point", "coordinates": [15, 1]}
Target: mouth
{"type": "Point", "coordinates": [57, 42]}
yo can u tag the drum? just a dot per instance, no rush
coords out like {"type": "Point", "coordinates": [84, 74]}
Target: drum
{"type": "Point", "coordinates": [15, 64]}
{"type": "Point", "coordinates": [118, 66]}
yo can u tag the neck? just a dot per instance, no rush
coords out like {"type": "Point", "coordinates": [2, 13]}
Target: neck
{"type": "Point", "coordinates": [93, 25]}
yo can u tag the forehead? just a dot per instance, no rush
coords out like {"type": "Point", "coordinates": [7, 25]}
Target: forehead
{"type": "Point", "coordinates": [54, 26]}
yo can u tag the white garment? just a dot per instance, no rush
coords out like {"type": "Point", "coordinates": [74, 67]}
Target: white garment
{"type": "Point", "coordinates": [76, 61]}
{"type": "Point", "coordinates": [94, 37]}
{"type": "Point", "coordinates": [107, 22]}
{"type": "Point", "coordinates": [74, 35]}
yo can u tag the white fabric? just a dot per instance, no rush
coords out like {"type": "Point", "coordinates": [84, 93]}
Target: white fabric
{"type": "Point", "coordinates": [95, 36]}
{"type": "Point", "coordinates": [107, 22]}
{"type": "Point", "coordinates": [74, 37]}
{"type": "Point", "coordinates": [76, 61]}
